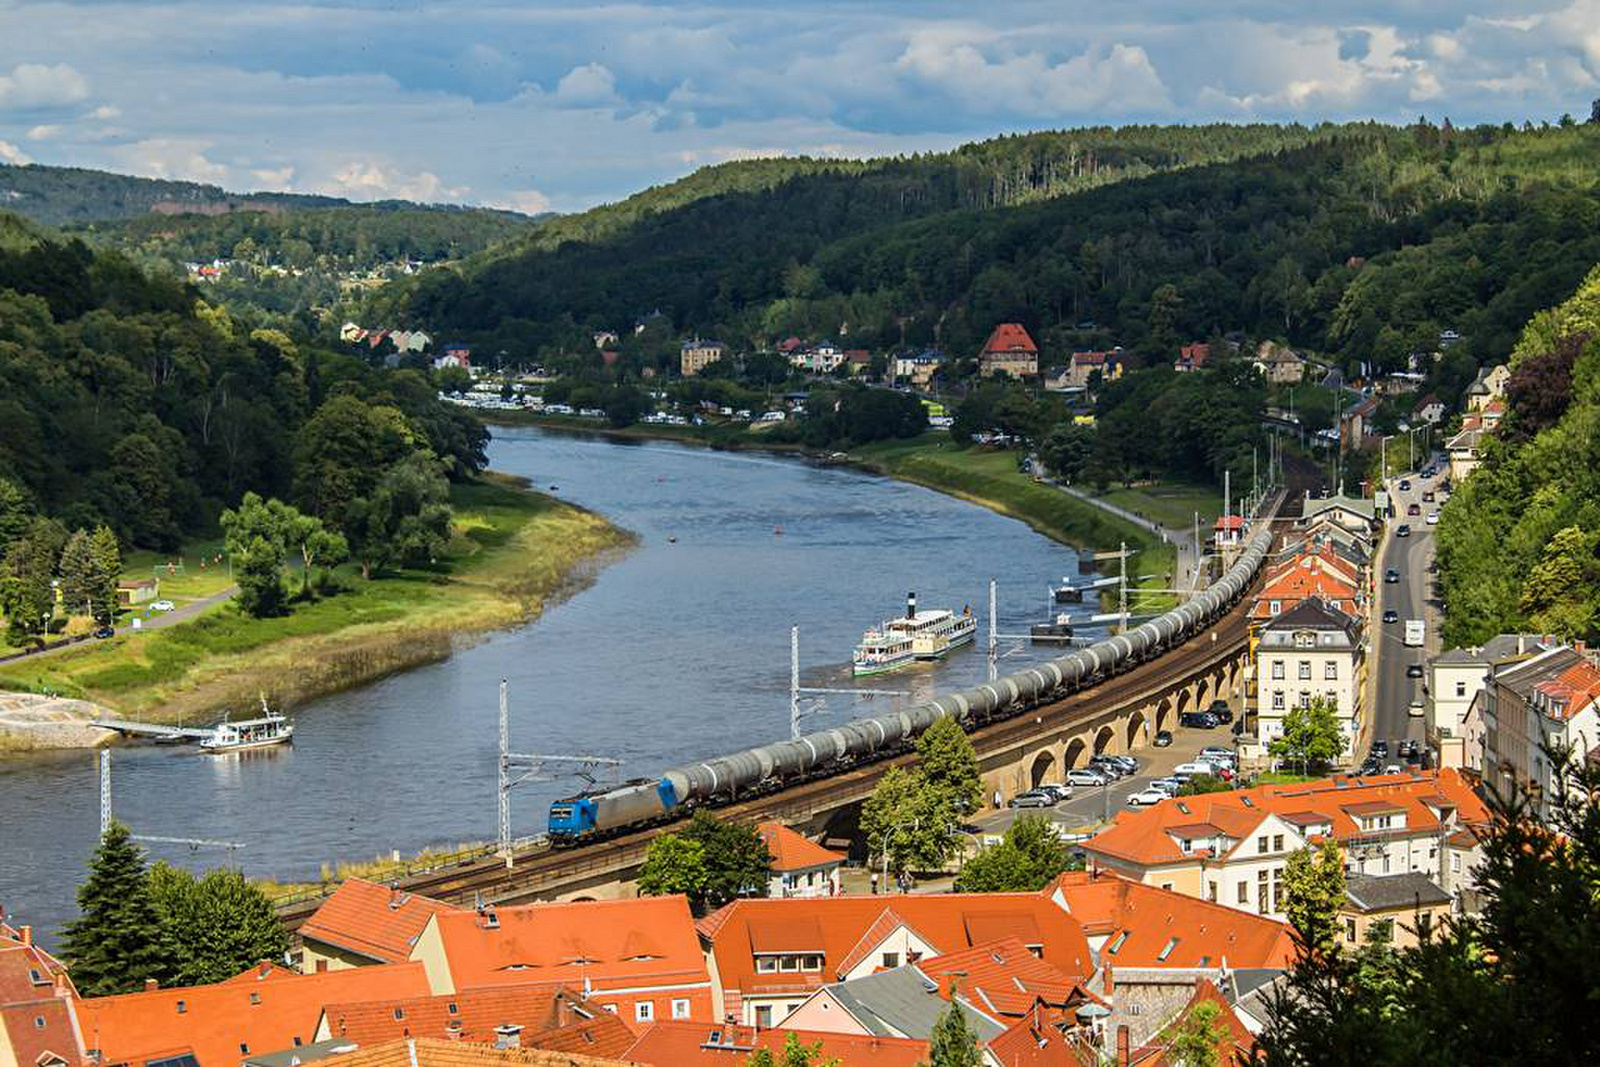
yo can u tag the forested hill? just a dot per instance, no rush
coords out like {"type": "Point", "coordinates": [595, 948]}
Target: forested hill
{"type": "Point", "coordinates": [58, 196]}
{"type": "Point", "coordinates": [1362, 240]}
{"type": "Point", "coordinates": [1518, 540]}
{"type": "Point", "coordinates": [129, 401]}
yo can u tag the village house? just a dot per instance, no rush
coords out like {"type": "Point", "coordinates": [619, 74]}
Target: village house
{"type": "Point", "coordinates": [1352, 512]}
{"type": "Point", "coordinates": [532, 1010]}
{"type": "Point", "coordinates": [769, 956]}
{"type": "Point", "coordinates": [131, 592]}
{"type": "Point", "coordinates": [1192, 357]}
{"type": "Point", "coordinates": [918, 370]}
{"type": "Point", "coordinates": [696, 355]}
{"type": "Point", "coordinates": [1458, 682]}
{"type": "Point", "coordinates": [1487, 386]}
{"type": "Point", "coordinates": [1429, 409]}
{"type": "Point", "coordinates": [1392, 902]}
{"type": "Point", "coordinates": [363, 923]}
{"type": "Point", "coordinates": [1356, 423]}
{"type": "Point", "coordinates": [1009, 350]}
{"type": "Point", "coordinates": [1279, 365]}
{"type": "Point", "coordinates": [1082, 368]}
{"type": "Point", "coordinates": [638, 959]}
{"type": "Point", "coordinates": [40, 1025]}
{"type": "Point", "coordinates": [800, 867]}
{"type": "Point", "coordinates": [1231, 847]}
{"type": "Point", "coordinates": [1314, 571]}
{"type": "Point", "coordinates": [1462, 448]}
{"type": "Point", "coordinates": [1311, 650]}
{"type": "Point", "coordinates": [454, 354]}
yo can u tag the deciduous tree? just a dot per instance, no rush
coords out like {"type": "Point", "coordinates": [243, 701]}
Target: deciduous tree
{"type": "Point", "coordinates": [795, 1053]}
{"type": "Point", "coordinates": [949, 765]}
{"type": "Point", "coordinates": [1029, 855]}
{"type": "Point", "coordinates": [213, 927]}
{"type": "Point", "coordinates": [710, 861]}
{"type": "Point", "coordinates": [908, 822]}
{"type": "Point", "coordinates": [406, 519]}
{"type": "Point", "coordinates": [1313, 893]}
{"type": "Point", "coordinates": [1312, 737]}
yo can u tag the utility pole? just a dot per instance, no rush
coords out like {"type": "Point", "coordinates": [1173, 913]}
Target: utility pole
{"type": "Point", "coordinates": [194, 843]}
{"type": "Point", "coordinates": [504, 769]}
{"type": "Point", "coordinates": [796, 713]}
{"type": "Point", "coordinates": [1122, 586]}
{"type": "Point", "coordinates": [105, 791]}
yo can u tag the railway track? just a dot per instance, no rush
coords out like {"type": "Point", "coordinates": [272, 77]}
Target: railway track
{"type": "Point", "coordinates": [536, 872]}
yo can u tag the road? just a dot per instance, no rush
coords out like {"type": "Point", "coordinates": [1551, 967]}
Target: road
{"type": "Point", "coordinates": [156, 621]}
{"type": "Point", "coordinates": [1412, 597]}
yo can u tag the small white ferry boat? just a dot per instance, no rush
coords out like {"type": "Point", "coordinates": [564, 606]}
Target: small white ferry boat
{"type": "Point", "coordinates": [271, 728]}
{"type": "Point", "coordinates": [918, 635]}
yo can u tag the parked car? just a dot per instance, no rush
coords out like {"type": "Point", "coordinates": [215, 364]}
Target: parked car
{"type": "Point", "coordinates": [1413, 670]}
{"type": "Point", "coordinates": [1403, 530]}
{"type": "Point", "coordinates": [162, 605]}
{"type": "Point", "coordinates": [1056, 790]}
{"type": "Point", "coordinates": [1407, 749]}
{"type": "Point", "coordinates": [1380, 748]}
{"type": "Point", "coordinates": [1217, 750]}
{"type": "Point", "coordinates": [1168, 785]}
{"type": "Point", "coordinates": [1433, 517]}
{"type": "Point", "coordinates": [1220, 709]}
{"type": "Point", "coordinates": [1394, 768]}
{"type": "Point", "coordinates": [1163, 738]}
{"type": "Point", "coordinates": [1083, 776]}
{"type": "Point", "coordinates": [1128, 763]}
{"type": "Point", "coordinates": [1391, 576]}
{"type": "Point", "coordinates": [1105, 766]}
{"type": "Point", "coordinates": [1146, 797]}
{"type": "Point", "coordinates": [1192, 770]}
{"type": "Point", "coordinates": [105, 632]}
{"type": "Point", "coordinates": [1391, 616]}
{"type": "Point", "coordinates": [1033, 799]}
{"type": "Point", "coordinates": [1200, 720]}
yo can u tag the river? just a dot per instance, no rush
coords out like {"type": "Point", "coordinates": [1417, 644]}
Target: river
{"type": "Point", "coordinates": [678, 651]}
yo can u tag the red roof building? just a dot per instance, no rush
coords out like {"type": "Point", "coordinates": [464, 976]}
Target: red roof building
{"type": "Point", "coordinates": [729, 1045]}
{"type": "Point", "coordinates": [364, 922]}
{"type": "Point", "coordinates": [770, 955]}
{"type": "Point", "coordinates": [800, 866]}
{"type": "Point", "coordinates": [474, 1016]}
{"type": "Point", "coordinates": [221, 1025]}
{"type": "Point", "coordinates": [39, 1021]}
{"type": "Point", "coordinates": [1009, 350]}
{"type": "Point", "coordinates": [638, 958]}
{"type": "Point", "coordinates": [1192, 357]}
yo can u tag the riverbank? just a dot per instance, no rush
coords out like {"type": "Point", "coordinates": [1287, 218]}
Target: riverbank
{"type": "Point", "coordinates": [513, 552]}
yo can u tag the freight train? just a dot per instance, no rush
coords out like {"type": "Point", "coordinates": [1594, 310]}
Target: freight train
{"type": "Point", "coordinates": [641, 802]}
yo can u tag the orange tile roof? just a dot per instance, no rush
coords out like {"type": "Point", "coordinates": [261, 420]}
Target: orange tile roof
{"type": "Point", "coordinates": [948, 922]}
{"type": "Point", "coordinates": [604, 1035]}
{"type": "Point", "coordinates": [648, 942]}
{"type": "Point", "coordinates": [1141, 919]}
{"type": "Point", "coordinates": [470, 1016]}
{"type": "Point", "coordinates": [1009, 337]}
{"type": "Point", "coordinates": [1146, 837]}
{"type": "Point", "coordinates": [224, 1023]}
{"type": "Point", "coordinates": [1003, 978]}
{"type": "Point", "coordinates": [432, 1052]}
{"type": "Point", "coordinates": [372, 920]}
{"type": "Point", "coordinates": [1293, 586]}
{"type": "Point", "coordinates": [1036, 1040]}
{"type": "Point", "coordinates": [685, 1044]}
{"type": "Point", "coordinates": [38, 1004]}
{"type": "Point", "coordinates": [1577, 687]}
{"type": "Point", "coordinates": [792, 851]}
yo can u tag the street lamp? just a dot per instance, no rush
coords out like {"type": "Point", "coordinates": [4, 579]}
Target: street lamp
{"type": "Point", "coordinates": [884, 842]}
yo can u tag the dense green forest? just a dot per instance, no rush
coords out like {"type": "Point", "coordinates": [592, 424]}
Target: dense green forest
{"type": "Point", "coordinates": [1361, 241]}
{"type": "Point", "coordinates": [128, 402]}
{"type": "Point", "coordinates": [1518, 539]}
{"type": "Point", "coordinates": [61, 195]}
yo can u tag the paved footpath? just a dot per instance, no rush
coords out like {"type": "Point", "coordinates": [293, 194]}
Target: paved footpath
{"type": "Point", "coordinates": [1183, 540]}
{"type": "Point", "coordinates": [159, 621]}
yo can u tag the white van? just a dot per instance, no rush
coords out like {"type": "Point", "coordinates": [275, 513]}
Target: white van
{"type": "Point", "coordinates": [1193, 770]}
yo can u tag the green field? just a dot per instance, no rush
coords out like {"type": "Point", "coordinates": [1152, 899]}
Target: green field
{"type": "Point", "coordinates": [1173, 505]}
{"type": "Point", "coordinates": [511, 550]}
{"type": "Point", "coordinates": [990, 477]}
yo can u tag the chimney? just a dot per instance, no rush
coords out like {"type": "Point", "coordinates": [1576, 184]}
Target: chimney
{"type": "Point", "coordinates": [26, 934]}
{"type": "Point", "coordinates": [1111, 982]}
{"type": "Point", "coordinates": [1123, 1056]}
{"type": "Point", "coordinates": [911, 605]}
{"type": "Point", "coordinates": [322, 966]}
{"type": "Point", "coordinates": [62, 988]}
{"type": "Point", "coordinates": [508, 1035]}
{"type": "Point", "coordinates": [151, 985]}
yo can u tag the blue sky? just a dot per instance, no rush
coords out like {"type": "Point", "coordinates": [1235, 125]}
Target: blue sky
{"type": "Point", "coordinates": [559, 106]}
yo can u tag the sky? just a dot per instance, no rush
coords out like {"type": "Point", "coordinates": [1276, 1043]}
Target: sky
{"type": "Point", "coordinates": [538, 106]}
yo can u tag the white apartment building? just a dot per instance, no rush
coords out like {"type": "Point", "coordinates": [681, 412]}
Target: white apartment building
{"type": "Point", "coordinates": [1310, 651]}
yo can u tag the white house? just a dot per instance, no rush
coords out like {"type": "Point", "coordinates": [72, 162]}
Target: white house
{"type": "Point", "coordinates": [800, 867]}
{"type": "Point", "coordinates": [1311, 650]}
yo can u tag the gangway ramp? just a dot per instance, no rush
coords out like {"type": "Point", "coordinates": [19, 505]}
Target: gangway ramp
{"type": "Point", "coordinates": [152, 729]}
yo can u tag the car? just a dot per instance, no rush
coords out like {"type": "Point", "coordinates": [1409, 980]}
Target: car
{"type": "Point", "coordinates": [1084, 776]}
{"type": "Point", "coordinates": [1403, 530]}
{"type": "Point", "coordinates": [163, 605]}
{"type": "Point", "coordinates": [1380, 748]}
{"type": "Point", "coordinates": [1220, 709]}
{"type": "Point", "coordinates": [1169, 785]}
{"type": "Point", "coordinates": [1163, 738]}
{"type": "Point", "coordinates": [105, 632]}
{"type": "Point", "coordinates": [1193, 770]}
{"type": "Point", "coordinates": [1370, 766]}
{"type": "Point", "coordinates": [1146, 797]}
{"type": "Point", "coordinates": [1413, 670]}
{"type": "Point", "coordinates": [1391, 576]}
{"type": "Point", "coordinates": [1200, 720]}
{"type": "Point", "coordinates": [1407, 749]}
{"type": "Point", "coordinates": [1108, 767]}
{"type": "Point", "coordinates": [1127, 763]}
{"type": "Point", "coordinates": [1427, 498]}
{"type": "Point", "coordinates": [1217, 750]}
{"type": "Point", "coordinates": [1414, 509]}
{"type": "Point", "coordinates": [1405, 483]}
{"type": "Point", "coordinates": [1416, 709]}
{"type": "Point", "coordinates": [1394, 768]}
{"type": "Point", "coordinates": [1033, 799]}
{"type": "Point", "coordinates": [1391, 616]}
{"type": "Point", "coordinates": [1056, 790]}
{"type": "Point", "coordinates": [1433, 517]}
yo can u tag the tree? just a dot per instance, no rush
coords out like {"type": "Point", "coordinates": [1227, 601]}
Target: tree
{"type": "Point", "coordinates": [107, 572]}
{"type": "Point", "coordinates": [1313, 892]}
{"type": "Point", "coordinates": [1026, 859]}
{"type": "Point", "coordinates": [318, 546]}
{"type": "Point", "coordinates": [78, 573]}
{"type": "Point", "coordinates": [405, 519]}
{"type": "Point", "coordinates": [26, 594]}
{"type": "Point", "coordinates": [795, 1054]}
{"type": "Point", "coordinates": [953, 1043]}
{"type": "Point", "coordinates": [341, 453]}
{"type": "Point", "coordinates": [1312, 737]}
{"type": "Point", "coordinates": [709, 861]}
{"type": "Point", "coordinates": [1195, 1044]}
{"type": "Point", "coordinates": [113, 945]}
{"type": "Point", "coordinates": [1594, 113]}
{"type": "Point", "coordinates": [1203, 783]}
{"type": "Point", "coordinates": [212, 928]}
{"type": "Point", "coordinates": [1556, 597]}
{"type": "Point", "coordinates": [144, 483]}
{"type": "Point", "coordinates": [254, 537]}
{"type": "Point", "coordinates": [950, 766]}
{"type": "Point", "coordinates": [1066, 451]}
{"type": "Point", "coordinates": [16, 511]}
{"type": "Point", "coordinates": [908, 822]}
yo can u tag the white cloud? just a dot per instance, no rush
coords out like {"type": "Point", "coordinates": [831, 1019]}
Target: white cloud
{"type": "Point", "coordinates": [43, 132]}
{"type": "Point", "coordinates": [177, 159]}
{"type": "Point", "coordinates": [367, 180]}
{"type": "Point", "coordinates": [10, 153]}
{"type": "Point", "coordinates": [528, 201]}
{"type": "Point", "coordinates": [590, 85]}
{"type": "Point", "coordinates": [105, 113]}
{"type": "Point", "coordinates": [35, 85]}
{"type": "Point", "coordinates": [274, 179]}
